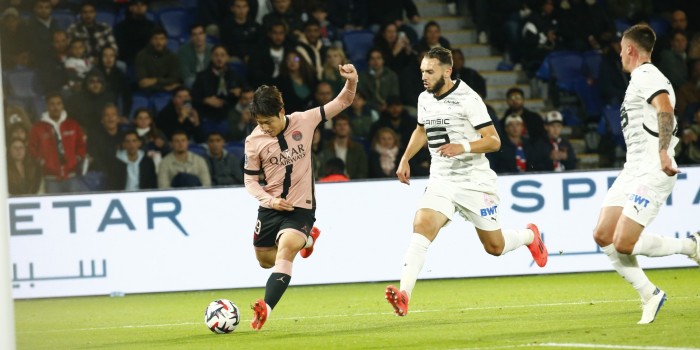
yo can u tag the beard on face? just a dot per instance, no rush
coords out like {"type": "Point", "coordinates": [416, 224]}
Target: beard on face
{"type": "Point", "coordinates": [440, 83]}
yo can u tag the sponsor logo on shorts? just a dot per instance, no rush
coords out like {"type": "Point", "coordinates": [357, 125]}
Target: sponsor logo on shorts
{"type": "Point", "coordinates": [639, 200]}
{"type": "Point", "coordinates": [490, 211]}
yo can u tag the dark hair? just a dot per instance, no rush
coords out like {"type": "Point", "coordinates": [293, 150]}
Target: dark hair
{"type": "Point", "coordinates": [51, 95]}
{"type": "Point", "coordinates": [267, 102]}
{"type": "Point", "coordinates": [515, 90]}
{"type": "Point", "coordinates": [109, 105]}
{"type": "Point", "coordinates": [214, 133]}
{"type": "Point", "coordinates": [158, 30]}
{"type": "Point", "coordinates": [142, 109]}
{"type": "Point", "coordinates": [219, 46]}
{"type": "Point", "coordinates": [305, 70]}
{"type": "Point", "coordinates": [334, 166]}
{"type": "Point", "coordinates": [375, 49]}
{"type": "Point", "coordinates": [87, 3]}
{"type": "Point", "coordinates": [179, 132]}
{"type": "Point", "coordinates": [441, 54]}
{"type": "Point", "coordinates": [311, 22]}
{"type": "Point", "coordinates": [430, 24]}
{"type": "Point", "coordinates": [642, 35]}
{"type": "Point", "coordinates": [130, 132]}
{"type": "Point", "coordinates": [196, 25]}
{"type": "Point", "coordinates": [340, 117]}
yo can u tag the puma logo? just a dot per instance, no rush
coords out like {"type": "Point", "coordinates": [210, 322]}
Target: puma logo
{"type": "Point", "coordinates": [281, 279]}
{"type": "Point", "coordinates": [637, 209]}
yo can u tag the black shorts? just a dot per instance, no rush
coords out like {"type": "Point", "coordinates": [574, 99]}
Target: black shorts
{"type": "Point", "coordinates": [270, 222]}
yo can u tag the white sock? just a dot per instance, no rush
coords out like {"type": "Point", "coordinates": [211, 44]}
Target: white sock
{"type": "Point", "coordinates": [269, 310]}
{"type": "Point", "coordinates": [413, 262]}
{"type": "Point", "coordinates": [309, 241]}
{"type": "Point", "coordinates": [654, 245]}
{"type": "Point", "coordinates": [514, 239]}
{"type": "Point", "coordinates": [628, 268]}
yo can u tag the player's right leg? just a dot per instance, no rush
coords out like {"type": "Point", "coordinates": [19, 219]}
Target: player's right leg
{"type": "Point", "coordinates": [426, 225]}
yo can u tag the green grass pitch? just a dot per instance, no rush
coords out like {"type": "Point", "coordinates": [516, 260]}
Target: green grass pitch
{"type": "Point", "coordinates": [572, 311]}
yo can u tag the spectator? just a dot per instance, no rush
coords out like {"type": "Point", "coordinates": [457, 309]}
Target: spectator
{"type": "Point", "coordinates": [467, 75]}
{"type": "Point", "coordinates": [266, 58]}
{"type": "Point", "coordinates": [411, 81]}
{"type": "Point", "coordinates": [103, 144]}
{"type": "Point", "coordinates": [348, 14]}
{"type": "Point", "coordinates": [396, 118]}
{"type": "Point", "coordinates": [633, 11]}
{"type": "Point", "coordinates": [540, 36]}
{"type": "Point", "coordinates": [18, 131]}
{"type": "Point", "coordinates": [432, 37]}
{"type": "Point", "coordinates": [52, 73]}
{"type": "Point", "coordinates": [77, 64]}
{"type": "Point", "coordinates": [334, 171]}
{"type": "Point", "coordinates": [179, 115]}
{"type": "Point", "coordinates": [384, 154]}
{"type": "Point", "coordinates": [516, 154]}
{"type": "Point", "coordinates": [87, 105]}
{"type": "Point", "coordinates": [23, 173]}
{"type": "Point", "coordinates": [225, 169]}
{"type": "Point", "coordinates": [311, 48]}
{"type": "Point", "coordinates": [58, 144]}
{"type": "Point", "coordinates": [679, 23]}
{"type": "Point", "coordinates": [138, 171]}
{"type": "Point", "coordinates": [134, 32]}
{"type": "Point", "coordinates": [395, 46]}
{"type": "Point", "coordinates": [342, 146]}
{"type": "Point", "coordinates": [158, 69]}
{"type": "Point", "coordinates": [240, 32]}
{"type": "Point", "coordinates": [195, 55]}
{"type": "Point", "coordinates": [282, 12]}
{"type": "Point", "coordinates": [335, 56]}
{"type": "Point", "coordinates": [96, 35]}
{"type": "Point", "coordinates": [40, 29]}
{"type": "Point", "coordinates": [153, 141]}
{"type": "Point", "coordinates": [323, 94]}
{"type": "Point", "coordinates": [673, 62]}
{"type": "Point", "coordinates": [362, 116]}
{"type": "Point", "coordinates": [533, 126]}
{"type": "Point", "coordinates": [688, 150]}
{"type": "Point", "coordinates": [378, 82]}
{"type": "Point", "coordinates": [211, 13]}
{"type": "Point", "coordinates": [612, 80]}
{"type": "Point", "coordinates": [555, 153]}
{"type": "Point", "coordinates": [393, 11]}
{"type": "Point", "coordinates": [217, 88]}
{"type": "Point", "coordinates": [15, 115]}
{"type": "Point", "coordinates": [296, 82]}
{"type": "Point", "coordinates": [12, 36]}
{"type": "Point", "coordinates": [117, 82]}
{"type": "Point", "coordinates": [182, 168]}
{"type": "Point", "coordinates": [689, 93]}
{"type": "Point", "coordinates": [585, 22]}
{"type": "Point", "coordinates": [329, 33]}
{"type": "Point", "coordinates": [240, 122]}
{"type": "Point", "coordinates": [316, 153]}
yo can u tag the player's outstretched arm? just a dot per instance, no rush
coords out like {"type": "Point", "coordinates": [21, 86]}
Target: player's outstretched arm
{"type": "Point", "coordinates": [345, 97]}
{"type": "Point", "coordinates": [664, 113]}
{"type": "Point", "coordinates": [418, 139]}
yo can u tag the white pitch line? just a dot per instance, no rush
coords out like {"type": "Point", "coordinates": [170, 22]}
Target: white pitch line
{"type": "Point", "coordinates": [609, 346]}
{"type": "Point", "coordinates": [358, 315]}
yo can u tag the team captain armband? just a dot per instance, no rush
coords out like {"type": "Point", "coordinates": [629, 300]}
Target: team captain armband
{"type": "Point", "coordinates": [467, 146]}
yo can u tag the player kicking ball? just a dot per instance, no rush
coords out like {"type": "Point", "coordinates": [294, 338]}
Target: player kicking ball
{"type": "Point", "coordinates": [454, 122]}
{"type": "Point", "coordinates": [280, 148]}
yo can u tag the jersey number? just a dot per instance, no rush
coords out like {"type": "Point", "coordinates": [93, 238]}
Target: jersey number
{"type": "Point", "coordinates": [437, 137]}
{"type": "Point", "coordinates": [624, 118]}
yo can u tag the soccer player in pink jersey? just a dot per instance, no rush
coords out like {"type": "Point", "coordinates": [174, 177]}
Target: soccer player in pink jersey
{"type": "Point", "coordinates": [280, 149]}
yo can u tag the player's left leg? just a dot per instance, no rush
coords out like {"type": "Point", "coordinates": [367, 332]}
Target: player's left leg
{"type": "Point", "coordinates": [499, 242]}
{"type": "Point", "coordinates": [289, 244]}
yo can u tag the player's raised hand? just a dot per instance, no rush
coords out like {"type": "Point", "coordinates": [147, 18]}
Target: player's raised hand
{"type": "Point", "coordinates": [348, 72]}
{"type": "Point", "coordinates": [404, 172]}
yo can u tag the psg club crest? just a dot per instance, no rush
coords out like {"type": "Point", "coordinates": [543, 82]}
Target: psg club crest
{"type": "Point", "coordinates": [296, 135]}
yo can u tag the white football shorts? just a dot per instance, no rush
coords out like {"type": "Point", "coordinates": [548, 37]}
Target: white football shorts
{"type": "Point", "coordinates": [479, 207]}
{"type": "Point", "coordinates": [641, 198]}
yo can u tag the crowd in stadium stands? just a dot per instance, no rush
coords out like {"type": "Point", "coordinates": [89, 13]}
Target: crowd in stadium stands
{"type": "Point", "coordinates": [129, 94]}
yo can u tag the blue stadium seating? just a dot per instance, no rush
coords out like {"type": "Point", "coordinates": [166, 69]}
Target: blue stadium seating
{"type": "Point", "coordinates": [240, 69]}
{"type": "Point", "coordinates": [567, 68]}
{"type": "Point", "coordinates": [356, 44]}
{"type": "Point", "coordinates": [621, 25]}
{"type": "Point", "coordinates": [176, 22]}
{"type": "Point", "coordinates": [210, 126]}
{"type": "Point", "coordinates": [106, 17]}
{"type": "Point", "coordinates": [236, 148]}
{"type": "Point", "coordinates": [660, 26]}
{"type": "Point", "coordinates": [197, 148]}
{"type": "Point", "coordinates": [64, 18]}
{"type": "Point", "coordinates": [611, 123]}
{"type": "Point", "coordinates": [21, 83]}
{"type": "Point", "coordinates": [591, 61]}
{"type": "Point", "coordinates": [138, 101]}
{"type": "Point", "coordinates": [173, 45]}
{"type": "Point", "coordinates": [159, 101]}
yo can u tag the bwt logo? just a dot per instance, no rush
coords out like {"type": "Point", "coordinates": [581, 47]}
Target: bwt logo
{"type": "Point", "coordinates": [489, 211]}
{"type": "Point", "coordinates": [115, 214]}
{"type": "Point", "coordinates": [637, 199]}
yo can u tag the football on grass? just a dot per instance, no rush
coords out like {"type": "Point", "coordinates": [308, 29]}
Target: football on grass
{"type": "Point", "coordinates": [222, 316]}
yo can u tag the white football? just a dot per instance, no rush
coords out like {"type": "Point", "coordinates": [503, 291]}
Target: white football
{"type": "Point", "coordinates": [222, 316]}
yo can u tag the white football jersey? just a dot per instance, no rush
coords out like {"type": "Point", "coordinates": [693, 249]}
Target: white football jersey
{"type": "Point", "coordinates": [639, 120]}
{"type": "Point", "coordinates": [455, 117]}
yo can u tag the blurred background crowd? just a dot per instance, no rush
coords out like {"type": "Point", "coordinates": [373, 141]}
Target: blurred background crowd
{"type": "Point", "coordinates": [129, 95]}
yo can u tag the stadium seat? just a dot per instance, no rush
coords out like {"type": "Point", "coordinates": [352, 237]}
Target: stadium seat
{"type": "Point", "coordinates": [198, 149]}
{"type": "Point", "coordinates": [240, 68]}
{"type": "Point", "coordinates": [189, 4]}
{"type": "Point", "coordinates": [660, 26]}
{"type": "Point", "coordinates": [138, 101]}
{"type": "Point", "coordinates": [611, 123]}
{"type": "Point", "coordinates": [173, 45]}
{"type": "Point", "coordinates": [21, 83]}
{"type": "Point", "coordinates": [211, 126]}
{"type": "Point", "coordinates": [591, 61]}
{"type": "Point", "coordinates": [356, 44]}
{"type": "Point", "coordinates": [160, 100]}
{"type": "Point", "coordinates": [176, 22]}
{"type": "Point", "coordinates": [589, 94]}
{"type": "Point", "coordinates": [566, 68]}
{"type": "Point", "coordinates": [621, 25]}
{"type": "Point", "coordinates": [64, 18]}
{"type": "Point", "coordinates": [236, 148]}
{"type": "Point", "coordinates": [106, 17]}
